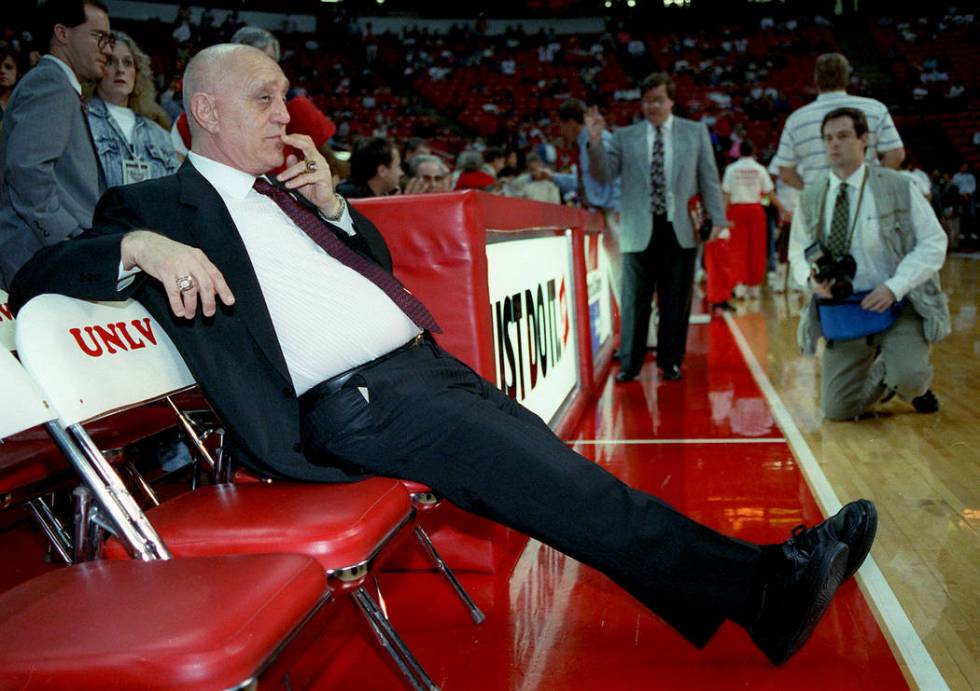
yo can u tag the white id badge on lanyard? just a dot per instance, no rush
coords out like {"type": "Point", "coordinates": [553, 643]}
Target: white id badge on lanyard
{"type": "Point", "coordinates": [135, 171]}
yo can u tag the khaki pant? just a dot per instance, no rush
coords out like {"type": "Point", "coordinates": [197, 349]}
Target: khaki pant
{"type": "Point", "coordinates": [853, 380]}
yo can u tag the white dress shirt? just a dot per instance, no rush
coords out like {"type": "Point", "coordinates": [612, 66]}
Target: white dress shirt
{"type": "Point", "coordinates": [873, 267]}
{"type": "Point", "coordinates": [328, 317]}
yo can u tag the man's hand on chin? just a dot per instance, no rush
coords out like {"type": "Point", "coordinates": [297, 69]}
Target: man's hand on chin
{"type": "Point", "coordinates": [185, 272]}
{"type": "Point", "coordinates": [311, 176]}
{"type": "Point", "coordinates": [879, 299]}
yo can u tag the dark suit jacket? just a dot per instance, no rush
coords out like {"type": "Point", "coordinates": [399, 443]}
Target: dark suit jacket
{"type": "Point", "coordinates": [234, 355]}
{"type": "Point", "coordinates": [51, 173]}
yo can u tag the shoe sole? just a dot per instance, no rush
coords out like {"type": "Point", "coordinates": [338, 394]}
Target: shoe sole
{"type": "Point", "coordinates": [859, 548]}
{"type": "Point", "coordinates": [823, 587]}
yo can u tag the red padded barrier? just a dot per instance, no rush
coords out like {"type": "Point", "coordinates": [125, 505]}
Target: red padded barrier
{"type": "Point", "coordinates": [207, 623]}
{"type": "Point", "coordinates": [438, 243]}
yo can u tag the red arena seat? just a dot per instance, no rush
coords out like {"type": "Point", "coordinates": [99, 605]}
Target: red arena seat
{"type": "Point", "coordinates": [209, 623]}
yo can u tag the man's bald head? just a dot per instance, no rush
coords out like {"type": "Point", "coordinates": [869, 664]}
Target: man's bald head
{"type": "Point", "coordinates": [235, 98]}
{"type": "Point", "coordinates": [212, 70]}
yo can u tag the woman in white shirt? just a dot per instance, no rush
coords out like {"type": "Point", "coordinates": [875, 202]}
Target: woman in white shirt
{"type": "Point", "coordinates": [131, 146]}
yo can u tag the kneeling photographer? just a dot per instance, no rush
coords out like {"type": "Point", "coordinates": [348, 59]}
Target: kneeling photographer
{"type": "Point", "coordinates": [869, 247]}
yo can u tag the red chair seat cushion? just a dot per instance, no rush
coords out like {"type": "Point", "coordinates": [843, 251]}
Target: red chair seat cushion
{"type": "Point", "coordinates": [189, 624]}
{"type": "Point", "coordinates": [339, 525]}
{"type": "Point", "coordinates": [413, 487]}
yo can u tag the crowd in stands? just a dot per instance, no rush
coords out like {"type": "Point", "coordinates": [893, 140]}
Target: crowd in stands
{"type": "Point", "coordinates": [469, 95]}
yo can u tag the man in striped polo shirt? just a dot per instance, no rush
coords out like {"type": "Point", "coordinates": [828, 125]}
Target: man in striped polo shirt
{"type": "Point", "coordinates": [802, 158]}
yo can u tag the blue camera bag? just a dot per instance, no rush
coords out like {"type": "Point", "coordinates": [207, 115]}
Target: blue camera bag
{"type": "Point", "coordinates": [845, 320]}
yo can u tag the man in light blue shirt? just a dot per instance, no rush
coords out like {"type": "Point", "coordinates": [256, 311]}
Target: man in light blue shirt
{"type": "Point", "coordinates": [593, 194]}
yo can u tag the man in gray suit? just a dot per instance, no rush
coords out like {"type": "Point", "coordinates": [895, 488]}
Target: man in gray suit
{"type": "Point", "coordinates": [662, 161]}
{"type": "Point", "coordinates": [51, 173]}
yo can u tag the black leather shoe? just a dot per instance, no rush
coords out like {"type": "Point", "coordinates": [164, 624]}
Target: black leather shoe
{"type": "Point", "coordinates": [725, 306]}
{"type": "Point", "coordinates": [671, 373]}
{"type": "Point", "coordinates": [855, 525]}
{"type": "Point", "coordinates": [797, 595]}
{"type": "Point", "coordinates": [626, 375]}
{"type": "Point", "coordinates": [926, 403]}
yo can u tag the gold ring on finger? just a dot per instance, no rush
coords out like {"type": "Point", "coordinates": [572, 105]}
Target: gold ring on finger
{"type": "Point", "coordinates": [311, 165]}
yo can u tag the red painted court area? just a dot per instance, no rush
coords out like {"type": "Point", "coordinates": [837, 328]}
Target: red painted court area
{"type": "Point", "coordinates": [709, 446]}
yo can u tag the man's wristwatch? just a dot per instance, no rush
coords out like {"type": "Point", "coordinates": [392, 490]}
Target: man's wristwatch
{"type": "Point", "coordinates": [340, 209]}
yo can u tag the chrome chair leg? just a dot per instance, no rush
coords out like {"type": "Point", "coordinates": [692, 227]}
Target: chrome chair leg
{"type": "Point", "coordinates": [392, 643]}
{"type": "Point", "coordinates": [430, 549]}
{"type": "Point", "coordinates": [60, 541]}
{"type": "Point", "coordinates": [83, 512]}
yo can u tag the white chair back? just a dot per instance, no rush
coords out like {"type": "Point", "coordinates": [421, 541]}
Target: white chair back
{"type": "Point", "coordinates": [21, 404]}
{"type": "Point", "coordinates": [7, 324]}
{"type": "Point", "coordinates": [94, 358]}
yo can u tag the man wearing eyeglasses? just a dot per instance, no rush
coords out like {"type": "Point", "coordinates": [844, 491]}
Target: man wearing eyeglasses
{"type": "Point", "coordinates": [51, 173]}
{"type": "Point", "coordinates": [427, 173]}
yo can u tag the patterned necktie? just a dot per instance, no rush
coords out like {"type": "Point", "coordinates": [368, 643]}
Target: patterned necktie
{"type": "Point", "coordinates": [657, 182]}
{"type": "Point", "coordinates": [837, 241]}
{"type": "Point", "coordinates": [317, 230]}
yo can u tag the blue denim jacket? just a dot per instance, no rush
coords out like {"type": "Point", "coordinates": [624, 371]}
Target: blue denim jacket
{"type": "Point", "coordinates": [151, 144]}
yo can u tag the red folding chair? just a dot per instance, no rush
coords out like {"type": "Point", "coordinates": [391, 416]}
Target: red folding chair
{"type": "Point", "coordinates": [205, 623]}
{"type": "Point", "coordinates": [345, 527]}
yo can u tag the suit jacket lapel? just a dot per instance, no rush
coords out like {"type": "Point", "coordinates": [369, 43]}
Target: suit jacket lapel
{"type": "Point", "coordinates": [677, 143]}
{"type": "Point", "coordinates": [215, 234]}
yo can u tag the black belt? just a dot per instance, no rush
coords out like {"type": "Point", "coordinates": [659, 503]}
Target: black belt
{"type": "Point", "coordinates": [336, 383]}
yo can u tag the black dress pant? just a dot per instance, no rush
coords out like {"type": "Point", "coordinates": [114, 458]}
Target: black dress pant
{"type": "Point", "coordinates": [667, 268]}
{"type": "Point", "coordinates": [423, 415]}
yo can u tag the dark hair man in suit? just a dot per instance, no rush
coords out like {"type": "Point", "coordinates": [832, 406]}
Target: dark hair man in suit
{"type": "Point", "coordinates": [323, 368]}
{"type": "Point", "coordinates": [51, 173]}
{"type": "Point", "coordinates": [662, 162]}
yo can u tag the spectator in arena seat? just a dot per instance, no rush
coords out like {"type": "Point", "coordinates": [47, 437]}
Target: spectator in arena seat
{"type": "Point", "coordinates": [415, 146]}
{"type": "Point", "coordinates": [472, 174]}
{"type": "Point", "coordinates": [51, 173]}
{"type": "Point", "coordinates": [537, 183]}
{"type": "Point", "coordinates": [494, 160]}
{"type": "Point", "coordinates": [11, 70]}
{"type": "Point", "coordinates": [426, 174]}
{"type": "Point", "coordinates": [320, 343]}
{"type": "Point", "coordinates": [662, 161]}
{"type": "Point", "coordinates": [131, 147]}
{"type": "Point", "coordinates": [801, 145]}
{"type": "Point", "coordinates": [375, 169]}
{"type": "Point", "coordinates": [877, 217]}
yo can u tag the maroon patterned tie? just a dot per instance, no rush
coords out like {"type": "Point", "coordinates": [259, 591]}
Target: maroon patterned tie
{"type": "Point", "coordinates": [311, 224]}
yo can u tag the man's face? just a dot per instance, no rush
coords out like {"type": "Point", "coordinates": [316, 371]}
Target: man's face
{"type": "Point", "coordinates": [845, 150]}
{"type": "Point", "coordinates": [8, 73]}
{"type": "Point", "coordinates": [86, 48]}
{"type": "Point", "coordinates": [657, 105]}
{"type": "Point", "coordinates": [435, 177]}
{"type": "Point", "coordinates": [391, 175]}
{"type": "Point", "coordinates": [250, 107]}
{"type": "Point", "coordinates": [536, 170]}
{"type": "Point", "coordinates": [569, 130]}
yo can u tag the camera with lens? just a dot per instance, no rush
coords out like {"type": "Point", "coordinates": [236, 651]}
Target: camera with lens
{"type": "Point", "coordinates": [837, 269]}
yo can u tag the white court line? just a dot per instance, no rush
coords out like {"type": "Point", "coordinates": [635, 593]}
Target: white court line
{"type": "Point", "coordinates": [713, 440]}
{"type": "Point", "coordinates": [920, 665]}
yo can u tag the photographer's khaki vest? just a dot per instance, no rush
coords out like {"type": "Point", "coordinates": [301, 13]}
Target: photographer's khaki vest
{"type": "Point", "coordinates": [891, 191]}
